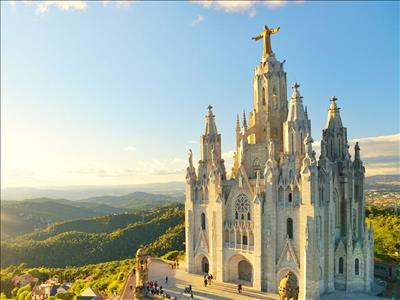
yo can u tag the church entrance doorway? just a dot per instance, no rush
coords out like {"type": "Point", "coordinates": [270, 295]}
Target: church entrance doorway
{"type": "Point", "coordinates": [239, 270]}
{"type": "Point", "coordinates": [204, 265]}
{"type": "Point", "coordinates": [245, 271]}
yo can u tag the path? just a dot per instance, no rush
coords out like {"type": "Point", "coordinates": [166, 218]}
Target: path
{"type": "Point", "coordinates": [127, 292]}
{"type": "Point", "coordinates": [178, 279]}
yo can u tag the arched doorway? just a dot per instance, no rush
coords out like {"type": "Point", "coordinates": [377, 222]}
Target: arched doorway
{"type": "Point", "coordinates": [245, 271]}
{"type": "Point", "coordinates": [204, 265]}
{"type": "Point", "coordinates": [238, 269]}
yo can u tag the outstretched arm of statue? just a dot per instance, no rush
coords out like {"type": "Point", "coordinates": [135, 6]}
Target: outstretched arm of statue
{"type": "Point", "coordinates": [259, 37]}
{"type": "Point", "coordinates": [275, 30]}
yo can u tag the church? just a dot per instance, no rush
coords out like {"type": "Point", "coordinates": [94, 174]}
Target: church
{"type": "Point", "coordinates": [281, 211]}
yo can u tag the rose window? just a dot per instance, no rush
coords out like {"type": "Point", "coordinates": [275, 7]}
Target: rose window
{"type": "Point", "coordinates": [242, 208]}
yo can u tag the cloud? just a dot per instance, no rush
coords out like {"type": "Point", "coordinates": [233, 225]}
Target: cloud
{"type": "Point", "coordinates": [199, 19]}
{"type": "Point", "coordinates": [118, 4]}
{"type": "Point", "coordinates": [130, 148]}
{"type": "Point", "coordinates": [44, 6]}
{"type": "Point", "coordinates": [193, 142]}
{"type": "Point", "coordinates": [240, 6]}
{"type": "Point", "coordinates": [17, 172]}
{"type": "Point", "coordinates": [380, 154]}
{"type": "Point", "coordinates": [152, 168]}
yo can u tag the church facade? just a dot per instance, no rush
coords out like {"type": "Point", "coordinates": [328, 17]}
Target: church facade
{"type": "Point", "coordinates": [281, 209]}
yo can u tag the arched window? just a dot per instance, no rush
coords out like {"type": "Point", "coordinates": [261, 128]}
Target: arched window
{"type": "Point", "coordinates": [292, 143]}
{"type": "Point", "coordinates": [256, 166]}
{"type": "Point", "coordinates": [203, 221]}
{"type": "Point", "coordinates": [236, 215]}
{"type": "Point", "coordinates": [242, 217]}
{"type": "Point", "coordinates": [263, 96]}
{"type": "Point", "coordinates": [357, 267]}
{"type": "Point", "coordinates": [341, 265]}
{"type": "Point", "coordinates": [290, 197]}
{"type": "Point", "coordinates": [244, 239]}
{"type": "Point", "coordinates": [248, 216]}
{"type": "Point", "coordinates": [289, 228]}
{"type": "Point", "coordinates": [301, 143]}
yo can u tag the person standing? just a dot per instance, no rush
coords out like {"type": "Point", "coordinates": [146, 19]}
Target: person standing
{"type": "Point", "coordinates": [239, 288]}
{"type": "Point", "coordinates": [166, 279]}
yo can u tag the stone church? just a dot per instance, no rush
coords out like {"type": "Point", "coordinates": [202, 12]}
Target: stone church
{"type": "Point", "coordinates": [281, 209]}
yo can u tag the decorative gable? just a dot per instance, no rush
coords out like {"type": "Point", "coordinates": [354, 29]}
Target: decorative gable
{"type": "Point", "coordinates": [201, 245]}
{"type": "Point", "coordinates": [288, 257]}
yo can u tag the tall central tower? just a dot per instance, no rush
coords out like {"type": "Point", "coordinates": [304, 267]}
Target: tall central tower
{"type": "Point", "coordinates": [270, 109]}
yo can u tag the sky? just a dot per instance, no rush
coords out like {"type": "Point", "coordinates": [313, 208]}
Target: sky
{"type": "Point", "coordinates": [115, 92]}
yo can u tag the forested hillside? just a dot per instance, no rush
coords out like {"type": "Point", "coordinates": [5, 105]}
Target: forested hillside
{"type": "Point", "coordinates": [75, 248]}
{"type": "Point", "coordinates": [21, 217]}
{"type": "Point", "coordinates": [386, 224]}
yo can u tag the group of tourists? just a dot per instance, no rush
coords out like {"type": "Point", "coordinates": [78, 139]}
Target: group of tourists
{"type": "Point", "coordinates": [174, 265]}
{"type": "Point", "coordinates": [152, 288]}
{"type": "Point", "coordinates": [207, 279]}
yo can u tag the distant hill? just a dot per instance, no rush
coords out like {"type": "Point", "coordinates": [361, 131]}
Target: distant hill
{"type": "Point", "coordinates": [383, 182]}
{"type": "Point", "coordinates": [21, 217]}
{"type": "Point", "coordinates": [136, 200]}
{"type": "Point", "coordinates": [81, 192]}
{"type": "Point", "coordinates": [78, 243]}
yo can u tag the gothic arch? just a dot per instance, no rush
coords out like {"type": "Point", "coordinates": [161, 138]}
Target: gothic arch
{"type": "Point", "coordinates": [201, 263]}
{"type": "Point", "coordinates": [239, 270]}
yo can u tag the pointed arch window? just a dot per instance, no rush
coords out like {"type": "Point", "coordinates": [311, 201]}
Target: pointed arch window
{"type": "Point", "coordinates": [248, 216]}
{"type": "Point", "coordinates": [292, 143]}
{"type": "Point", "coordinates": [256, 166]}
{"type": "Point", "coordinates": [290, 197]}
{"type": "Point", "coordinates": [357, 267]}
{"type": "Point", "coordinates": [341, 262]}
{"type": "Point", "coordinates": [236, 215]}
{"type": "Point", "coordinates": [263, 96]}
{"type": "Point", "coordinates": [301, 143]}
{"type": "Point", "coordinates": [289, 228]}
{"type": "Point", "coordinates": [203, 221]}
{"type": "Point", "coordinates": [245, 242]}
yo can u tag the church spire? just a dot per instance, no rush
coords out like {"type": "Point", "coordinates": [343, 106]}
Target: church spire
{"type": "Point", "coordinates": [210, 127]}
{"type": "Point", "coordinates": [334, 119]}
{"type": "Point", "coordinates": [335, 135]}
{"type": "Point", "coordinates": [296, 109]}
{"type": "Point", "coordinates": [244, 120]}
